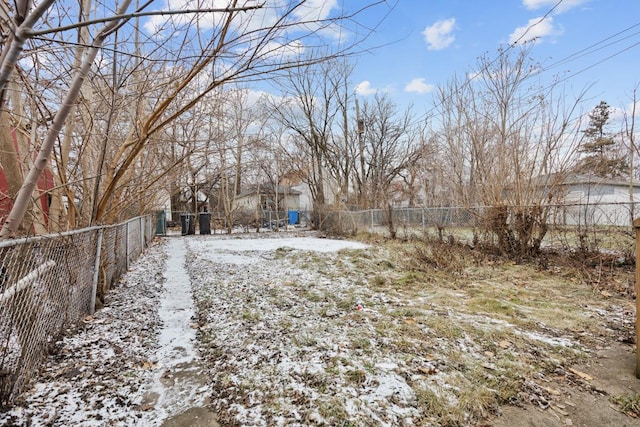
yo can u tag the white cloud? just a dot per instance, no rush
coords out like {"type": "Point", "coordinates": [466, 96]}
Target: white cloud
{"type": "Point", "coordinates": [474, 75]}
{"type": "Point", "coordinates": [313, 10]}
{"type": "Point", "coordinates": [279, 51]}
{"type": "Point", "coordinates": [536, 29]}
{"type": "Point", "coordinates": [308, 15]}
{"type": "Point", "coordinates": [439, 35]}
{"type": "Point", "coordinates": [419, 85]}
{"type": "Point", "coordinates": [562, 7]}
{"type": "Point", "coordinates": [158, 23]}
{"type": "Point", "coordinates": [618, 114]}
{"type": "Point", "coordinates": [364, 88]}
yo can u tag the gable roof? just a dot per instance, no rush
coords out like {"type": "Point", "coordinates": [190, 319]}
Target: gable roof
{"type": "Point", "coordinates": [268, 190]}
{"type": "Point", "coordinates": [579, 179]}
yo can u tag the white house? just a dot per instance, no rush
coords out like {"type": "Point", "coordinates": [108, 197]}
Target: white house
{"type": "Point", "coordinates": [296, 180]}
{"type": "Point", "coordinates": [591, 200]}
{"type": "Point", "coordinates": [265, 197]}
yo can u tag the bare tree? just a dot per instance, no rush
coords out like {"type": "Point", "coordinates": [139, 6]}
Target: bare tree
{"type": "Point", "coordinates": [22, 200]}
{"type": "Point", "coordinates": [508, 145]}
{"type": "Point", "coordinates": [629, 133]}
{"type": "Point", "coordinates": [309, 110]}
{"type": "Point", "coordinates": [391, 146]}
{"type": "Point", "coordinates": [238, 44]}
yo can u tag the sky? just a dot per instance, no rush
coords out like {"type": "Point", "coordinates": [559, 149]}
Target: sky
{"type": "Point", "coordinates": [415, 46]}
{"type": "Point", "coordinates": [423, 43]}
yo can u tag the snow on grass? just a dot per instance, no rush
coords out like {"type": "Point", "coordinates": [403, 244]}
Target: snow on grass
{"type": "Point", "coordinates": [289, 340]}
{"type": "Point", "coordinates": [96, 375]}
{"type": "Point", "coordinates": [291, 331]}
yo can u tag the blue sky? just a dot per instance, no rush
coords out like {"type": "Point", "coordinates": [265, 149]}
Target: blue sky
{"type": "Point", "coordinates": [423, 43]}
{"type": "Point", "coordinates": [418, 45]}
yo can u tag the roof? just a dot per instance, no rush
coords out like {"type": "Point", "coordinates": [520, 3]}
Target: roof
{"type": "Point", "coordinates": [576, 179]}
{"type": "Point", "coordinates": [580, 179]}
{"type": "Point", "coordinates": [268, 189]}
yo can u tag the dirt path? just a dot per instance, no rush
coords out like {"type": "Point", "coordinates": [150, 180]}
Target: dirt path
{"type": "Point", "coordinates": [584, 399]}
{"type": "Point", "coordinates": [179, 382]}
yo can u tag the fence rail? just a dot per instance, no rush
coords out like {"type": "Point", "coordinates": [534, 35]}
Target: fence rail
{"type": "Point", "coordinates": [582, 216]}
{"type": "Point", "coordinates": [48, 283]}
{"type": "Point", "coordinates": [574, 214]}
{"type": "Point", "coordinates": [574, 226]}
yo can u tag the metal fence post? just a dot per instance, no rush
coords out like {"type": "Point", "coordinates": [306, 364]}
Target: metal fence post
{"type": "Point", "coordinates": [126, 246]}
{"type": "Point", "coordinates": [636, 225]}
{"type": "Point", "coordinates": [96, 273]}
{"type": "Point", "coordinates": [143, 232]}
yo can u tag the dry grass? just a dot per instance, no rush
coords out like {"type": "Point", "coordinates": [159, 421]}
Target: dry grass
{"type": "Point", "coordinates": [443, 283]}
{"type": "Point", "coordinates": [463, 331]}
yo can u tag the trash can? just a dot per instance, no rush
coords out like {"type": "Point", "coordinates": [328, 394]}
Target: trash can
{"type": "Point", "coordinates": [188, 224]}
{"type": "Point", "coordinates": [294, 217]}
{"type": "Point", "coordinates": [205, 222]}
{"type": "Point", "coordinates": [161, 223]}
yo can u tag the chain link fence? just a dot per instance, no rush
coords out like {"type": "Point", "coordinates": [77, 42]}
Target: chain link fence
{"type": "Point", "coordinates": [240, 219]}
{"type": "Point", "coordinates": [567, 224]}
{"type": "Point", "coordinates": [49, 283]}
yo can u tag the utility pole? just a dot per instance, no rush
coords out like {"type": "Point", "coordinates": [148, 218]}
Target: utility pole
{"type": "Point", "coordinates": [360, 130]}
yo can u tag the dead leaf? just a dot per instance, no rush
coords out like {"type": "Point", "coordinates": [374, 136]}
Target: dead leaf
{"type": "Point", "coordinates": [560, 411]}
{"type": "Point", "coordinates": [551, 391]}
{"type": "Point", "coordinates": [582, 375]}
{"type": "Point", "coordinates": [504, 344]}
{"type": "Point", "coordinates": [149, 365]}
{"type": "Point", "coordinates": [88, 319]}
{"type": "Point", "coordinates": [426, 371]}
{"type": "Point", "coordinates": [410, 320]}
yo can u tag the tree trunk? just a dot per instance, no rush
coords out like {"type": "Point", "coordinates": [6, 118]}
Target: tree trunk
{"type": "Point", "coordinates": [24, 195]}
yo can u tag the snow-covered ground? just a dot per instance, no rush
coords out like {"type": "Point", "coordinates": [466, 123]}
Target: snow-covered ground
{"type": "Point", "coordinates": [267, 330]}
{"type": "Point", "coordinates": [135, 361]}
{"type": "Point", "coordinates": [99, 374]}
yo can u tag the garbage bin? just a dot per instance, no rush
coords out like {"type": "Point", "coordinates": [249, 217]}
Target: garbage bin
{"type": "Point", "coordinates": [161, 223]}
{"type": "Point", "coordinates": [294, 217]}
{"type": "Point", "coordinates": [205, 222]}
{"type": "Point", "coordinates": [188, 224]}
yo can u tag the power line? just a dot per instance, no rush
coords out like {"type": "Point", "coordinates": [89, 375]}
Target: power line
{"type": "Point", "coordinates": [500, 56]}
{"type": "Point", "coordinates": [588, 50]}
{"type": "Point", "coordinates": [591, 48]}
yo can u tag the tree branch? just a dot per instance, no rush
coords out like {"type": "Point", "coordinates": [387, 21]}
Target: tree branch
{"type": "Point", "coordinates": [142, 14]}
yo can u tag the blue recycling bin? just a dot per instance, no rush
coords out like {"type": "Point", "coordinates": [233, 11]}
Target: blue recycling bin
{"type": "Point", "coordinates": [294, 217]}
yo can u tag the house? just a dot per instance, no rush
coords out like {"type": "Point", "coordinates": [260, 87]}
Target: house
{"type": "Point", "coordinates": [296, 180]}
{"type": "Point", "coordinates": [268, 198]}
{"type": "Point", "coordinates": [45, 185]}
{"type": "Point", "coordinates": [592, 200]}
